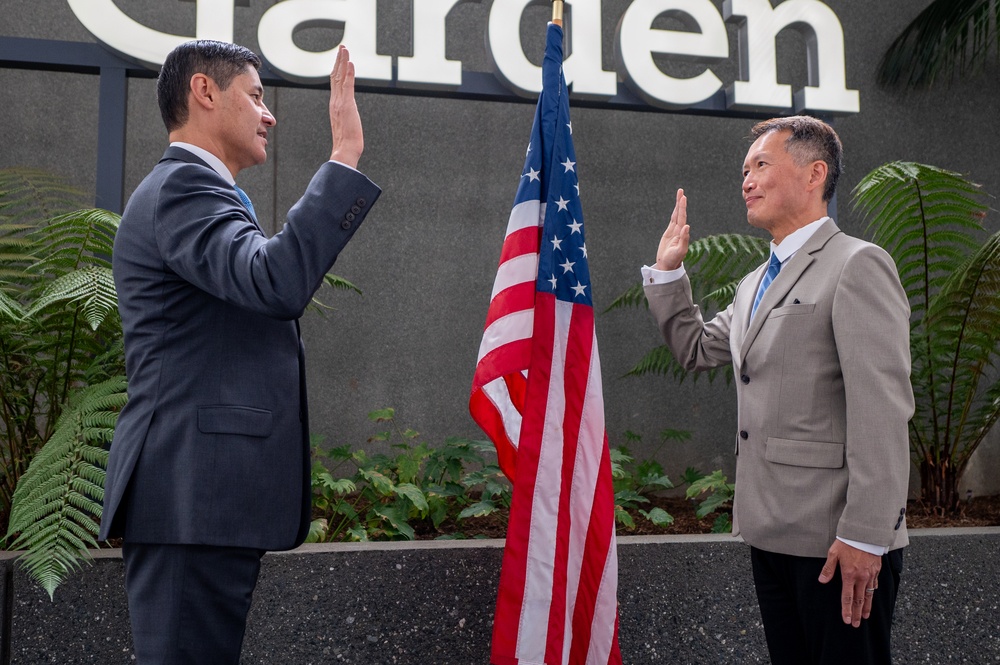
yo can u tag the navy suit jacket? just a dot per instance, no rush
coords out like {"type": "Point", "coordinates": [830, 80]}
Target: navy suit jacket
{"type": "Point", "coordinates": [213, 445]}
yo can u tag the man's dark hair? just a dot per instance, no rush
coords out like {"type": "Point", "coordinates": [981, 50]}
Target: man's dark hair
{"type": "Point", "coordinates": [220, 61]}
{"type": "Point", "coordinates": [811, 139]}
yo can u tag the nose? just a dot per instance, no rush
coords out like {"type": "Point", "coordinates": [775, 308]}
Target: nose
{"type": "Point", "coordinates": [748, 184]}
{"type": "Point", "coordinates": [268, 119]}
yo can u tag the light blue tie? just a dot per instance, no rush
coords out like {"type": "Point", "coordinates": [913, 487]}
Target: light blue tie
{"type": "Point", "coordinates": [246, 201]}
{"type": "Point", "coordinates": [773, 268]}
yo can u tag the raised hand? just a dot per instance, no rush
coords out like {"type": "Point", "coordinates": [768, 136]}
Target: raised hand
{"type": "Point", "coordinates": [345, 121]}
{"type": "Point", "coordinates": [674, 242]}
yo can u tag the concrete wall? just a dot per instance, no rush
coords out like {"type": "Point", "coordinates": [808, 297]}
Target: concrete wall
{"type": "Point", "coordinates": [682, 599]}
{"type": "Point", "coordinates": [427, 254]}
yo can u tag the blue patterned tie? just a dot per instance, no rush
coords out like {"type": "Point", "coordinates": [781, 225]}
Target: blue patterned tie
{"type": "Point", "coordinates": [773, 268]}
{"type": "Point", "coordinates": [246, 201]}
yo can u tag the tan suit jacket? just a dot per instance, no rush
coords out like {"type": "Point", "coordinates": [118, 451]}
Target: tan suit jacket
{"type": "Point", "coordinates": [822, 382]}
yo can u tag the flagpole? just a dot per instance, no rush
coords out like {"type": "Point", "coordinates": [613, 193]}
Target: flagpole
{"type": "Point", "coordinates": [557, 12]}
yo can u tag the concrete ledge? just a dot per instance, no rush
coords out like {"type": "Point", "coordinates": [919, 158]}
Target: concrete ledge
{"type": "Point", "coordinates": [683, 599]}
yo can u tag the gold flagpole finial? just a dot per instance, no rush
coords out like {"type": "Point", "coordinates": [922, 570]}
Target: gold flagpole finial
{"type": "Point", "coordinates": [557, 12]}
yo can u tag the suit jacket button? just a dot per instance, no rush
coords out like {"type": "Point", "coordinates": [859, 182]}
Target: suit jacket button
{"type": "Point", "coordinates": [744, 435]}
{"type": "Point", "coordinates": [356, 210]}
{"type": "Point", "coordinates": [745, 379]}
{"type": "Point", "coordinates": [349, 216]}
{"type": "Point", "coordinates": [345, 225]}
{"type": "Point", "coordinates": [361, 203]}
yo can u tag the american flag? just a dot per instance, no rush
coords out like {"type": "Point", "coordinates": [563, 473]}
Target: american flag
{"type": "Point", "coordinates": [537, 393]}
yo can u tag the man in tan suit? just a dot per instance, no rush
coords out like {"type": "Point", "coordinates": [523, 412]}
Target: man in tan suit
{"type": "Point", "coordinates": [819, 341]}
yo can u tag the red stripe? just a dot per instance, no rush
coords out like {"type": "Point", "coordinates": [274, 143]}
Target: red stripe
{"type": "Point", "coordinates": [522, 241]}
{"type": "Point", "coordinates": [511, 358]}
{"type": "Point", "coordinates": [510, 596]}
{"type": "Point", "coordinates": [597, 549]}
{"type": "Point", "coordinates": [575, 376]}
{"type": "Point", "coordinates": [515, 298]}
{"type": "Point", "coordinates": [516, 387]}
{"type": "Point", "coordinates": [489, 419]}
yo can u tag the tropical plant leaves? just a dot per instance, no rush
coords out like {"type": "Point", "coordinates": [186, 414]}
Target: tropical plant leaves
{"type": "Point", "coordinates": [948, 37]}
{"type": "Point", "coordinates": [56, 508]}
{"type": "Point", "coordinates": [931, 221]}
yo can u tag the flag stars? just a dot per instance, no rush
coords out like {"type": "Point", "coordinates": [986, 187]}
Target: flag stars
{"type": "Point", "coordinates": [562, 203]}
{"type": "Point", "coordinates": [532, 174]}
{"type": "Point", "coordinates": [583, 248]}
{"type": "Point", "coordinates": [553, 281]}
{"type": "Point", "coordinates": [556, 244]}
{"type": "Point", "coordinates": [567, 266]}
{"type": "Point", "coordinates": [575, 226]}
{"type": "Point", "coordinates": [579, 289]}
{"type": "Point", "coordinates": [570, 125]}
{"type": "Point", "coordinates": [569, 166]}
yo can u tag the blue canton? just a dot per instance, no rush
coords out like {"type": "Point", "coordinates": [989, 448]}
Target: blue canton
{"type": "Point", "coordinates": [550, 176]}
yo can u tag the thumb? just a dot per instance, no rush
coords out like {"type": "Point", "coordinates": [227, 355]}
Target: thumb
{"type": "Point", "coordinates": [829, 568]}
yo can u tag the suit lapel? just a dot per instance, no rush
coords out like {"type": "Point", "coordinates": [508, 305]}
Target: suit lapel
{"type": "Point", "coordinates": [183, 155]}
{"type": "Point", "coordinates": [783, 283]}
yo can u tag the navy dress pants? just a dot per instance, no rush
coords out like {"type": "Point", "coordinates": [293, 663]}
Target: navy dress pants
{"type": "Point", "coordinates": [188, 603]}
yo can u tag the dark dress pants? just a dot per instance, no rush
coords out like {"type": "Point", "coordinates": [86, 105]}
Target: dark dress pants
{"type": "Point", "coordinates": [189, 603]}
{"type": "Point", "coordinates": [802, 618]}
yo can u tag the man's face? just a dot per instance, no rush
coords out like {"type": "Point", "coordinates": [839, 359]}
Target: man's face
{"type": "Point", "coordinates": [244, 121]}
{"type": "Point", "coordinates": [774, 186]}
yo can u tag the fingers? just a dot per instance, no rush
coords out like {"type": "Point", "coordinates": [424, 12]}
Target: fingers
{"type": "Point", "coordinates": [345, 122]}
{"type": "Point", "coordinates": [859, 574]}
{"type": "Point", "coordinates": [674, 242]}
{"type": "Point", "coordinates": [829, 568]}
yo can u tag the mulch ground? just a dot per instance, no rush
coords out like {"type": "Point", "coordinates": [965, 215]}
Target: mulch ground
{"type": "Point", "coordinates": [980, 511]}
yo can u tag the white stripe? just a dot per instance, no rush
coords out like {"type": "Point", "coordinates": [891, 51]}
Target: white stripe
{"type": "Point", "coordinates": [587, 467]}
{"type": "Point", "coordinates": [496, 391]}
{"type": "Point", "coordinates": [511, 328]}
{"type": "Point", "coordinates": [602, 630]}
{"type": "Point", "coordinates": [525, 215]}
{"type": "Point", "coordinates": [517, 270]}
{"type": "Point", "coordinates": [533, 627]}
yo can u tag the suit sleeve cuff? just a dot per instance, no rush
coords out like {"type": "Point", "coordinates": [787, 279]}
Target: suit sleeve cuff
{"type": "Point", "coordinates": [877, 550]}
{"type": "Point", "coordinates": [651, 275]}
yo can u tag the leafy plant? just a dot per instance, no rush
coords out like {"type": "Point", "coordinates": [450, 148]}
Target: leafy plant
{"type": "Point", "coordinates": [716, 264]}
{"type": "Point", "coordinates": [931, 221]}
{"type": "Point", "coordinates": [59, 326]}
{"type": "Point", "coordinates": [720, 497]}
{"type": "Point", "coordinates": [57, 505]}
{"type": "Point", "coordinates": [386, 497]}
{"type": "Point", "coordinates": [947, 37]}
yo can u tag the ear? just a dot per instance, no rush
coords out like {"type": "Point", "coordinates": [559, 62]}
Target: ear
{"type": "Point", "coordinates": [818, 171]}
{"type": "Point", "coordinates": [203, 91]}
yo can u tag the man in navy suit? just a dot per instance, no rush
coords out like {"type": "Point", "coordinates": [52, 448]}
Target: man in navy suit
{"type": "Point", "coordinates": [209, 466]}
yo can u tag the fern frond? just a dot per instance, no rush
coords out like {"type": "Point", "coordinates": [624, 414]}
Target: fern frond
{"type": "Point", "coordinates": [927, 218]}
{"type": "Point", "coordinates": [92, 288]}
{"type": "Point", "coordinates": [716, 263]}
{"type": "Point", "coordinates": [338, 282]}
{"type": "Point", "coordinates": [948, 37]}
{"type": "Point", "coordinates": [10, 308]}
{"type": "Point", "coordinates": [81, 237]}
{"type": "Point", "coordinates": [632, 297]}
{"type": "Point", "coordinates": [962, 345]}
{"type": "Point", "coordinates": [28, 195]}
{"type": "Point", "coordinates": [57, 504]}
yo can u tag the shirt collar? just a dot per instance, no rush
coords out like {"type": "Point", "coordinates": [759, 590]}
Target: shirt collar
{"type": "Point", "coordinates": [212, 160]}
{"type": "Point", "coordinates": [794, 241]}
